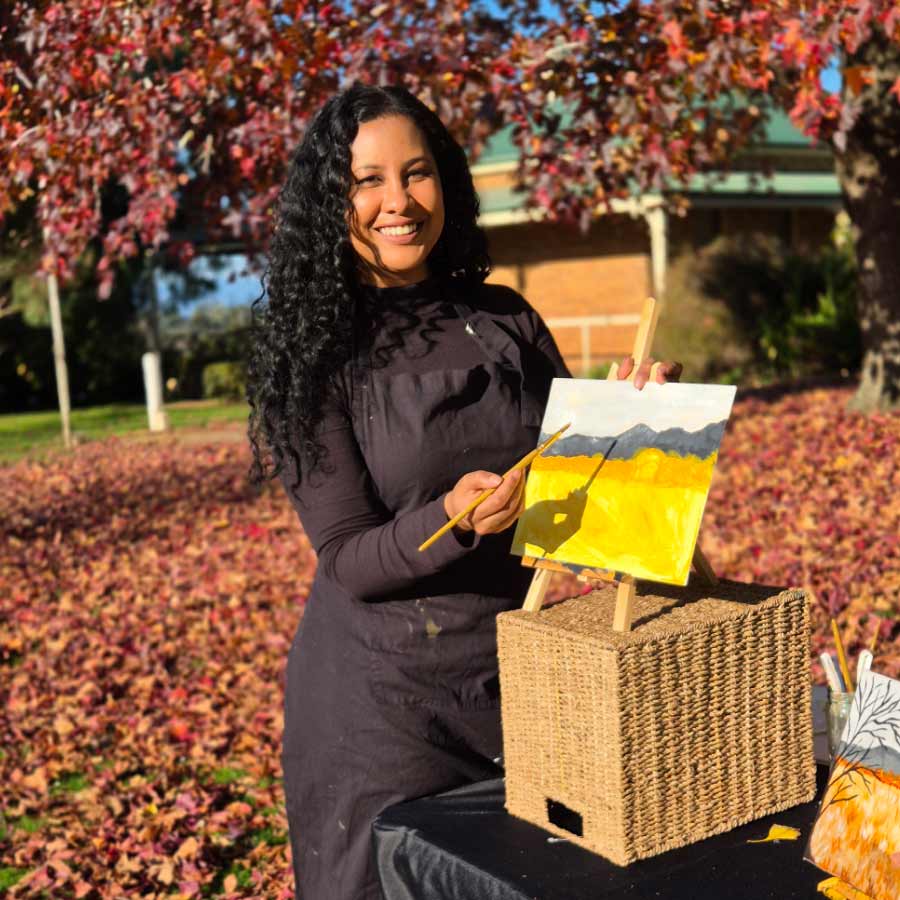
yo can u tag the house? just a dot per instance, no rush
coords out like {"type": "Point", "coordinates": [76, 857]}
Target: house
{"type": "Point", "coordinates": [589, 288]}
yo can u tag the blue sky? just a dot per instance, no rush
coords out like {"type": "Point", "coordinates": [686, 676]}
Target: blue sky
{"type": "Point", "coordinates": [241, 291]}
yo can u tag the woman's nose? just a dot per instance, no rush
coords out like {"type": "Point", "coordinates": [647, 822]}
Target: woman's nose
{"type": "Point", "coordinates": [396, 196]}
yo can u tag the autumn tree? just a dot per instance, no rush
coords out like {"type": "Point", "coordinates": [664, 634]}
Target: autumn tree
{"type": "Point", "coordinates": [190, 109]}
{"type": "Point", "coordinates": [147, 128]}
{"type": "Point", "coordinates": [187, 111]}
{"type": "Point", "coordinates": [657, 92]}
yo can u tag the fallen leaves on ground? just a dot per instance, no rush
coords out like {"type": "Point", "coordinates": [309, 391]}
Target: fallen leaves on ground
{"type": "Point", "coordinates": [148, 598]}
{"type": "Point", "coordinates": [807, 494]}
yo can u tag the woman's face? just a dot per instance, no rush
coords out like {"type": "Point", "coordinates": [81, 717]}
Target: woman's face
{"type": "Point", "coordinates": [398, 204]}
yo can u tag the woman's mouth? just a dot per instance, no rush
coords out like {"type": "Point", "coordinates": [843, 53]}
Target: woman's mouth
{"type": "Point", "coordinates": [401, 234]}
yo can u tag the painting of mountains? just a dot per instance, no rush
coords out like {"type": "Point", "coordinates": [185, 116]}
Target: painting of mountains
{"type": "Point", "coordinates": [856, 835]}
{"type": "Point", "coordinates": [624, 489]}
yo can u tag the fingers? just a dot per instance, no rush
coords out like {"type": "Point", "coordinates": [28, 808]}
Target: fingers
{"type": "Point", "coordinates": [476, 482]}
{"type": "Point", "coordinates": [500, 499]}
{"type": "Point", "coordinates": [669, 371]}
{"type": "Point", "coordinates": [503, 507]}
{"type": "Point", "coordinates": [642, 376]}
{"type": "Point", "coordinates": [625, 368]}
{"type": "Point", "coordinates": [467, 489]}
{"type": "Point", "coordinates": [659, 372]}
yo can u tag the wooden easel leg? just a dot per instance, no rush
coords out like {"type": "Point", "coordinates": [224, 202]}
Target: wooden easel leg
{"type": "Point", "coordinates": [702, 565]}
{"type": "Point", "coordinates": [534, 599]}
{"type": "Point", "coordinates": [624, 603]}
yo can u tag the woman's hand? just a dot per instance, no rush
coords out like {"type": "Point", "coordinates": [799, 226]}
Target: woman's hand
{"type": "Point", "coordinates": [496, 513]}
{"type": "Point", "coordinates": [667, 371]}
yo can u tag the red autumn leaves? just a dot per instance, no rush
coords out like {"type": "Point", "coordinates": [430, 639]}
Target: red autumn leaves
{"type": "Point", "coordinates": [148, 599]}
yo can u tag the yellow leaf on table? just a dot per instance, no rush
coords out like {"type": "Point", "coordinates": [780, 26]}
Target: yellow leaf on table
{"type": "Point", "coordinates": [778, 833]}
{"type": "Point", "coordinates": [835, 889]}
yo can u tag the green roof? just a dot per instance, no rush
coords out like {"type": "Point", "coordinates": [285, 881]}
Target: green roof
{"type": "Point", "coordinates": [793, 189]}
{"type": "Point", "coordinates": [499, 148]}
{"type": "Point", "coordinates": [794, 184]}
{"type": "Point", "coordinates": [780, 132]}
{"type": "Point", "coordinates": [783, 188]}
{"type": "Point", "coordinates": [500, 200]}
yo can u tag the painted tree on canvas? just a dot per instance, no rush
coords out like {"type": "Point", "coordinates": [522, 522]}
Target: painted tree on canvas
{"type": "Point", "coordinates": [856, 835]}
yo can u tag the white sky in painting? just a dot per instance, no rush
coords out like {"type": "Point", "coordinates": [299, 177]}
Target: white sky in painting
{"type": "Point", "coordinates": [607, 408]}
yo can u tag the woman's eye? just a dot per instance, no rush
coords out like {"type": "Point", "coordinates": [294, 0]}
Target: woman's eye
{"type": "Point", "coordinates": [369, 179]}
{"type": "Point", "coordinates": [420, 173]}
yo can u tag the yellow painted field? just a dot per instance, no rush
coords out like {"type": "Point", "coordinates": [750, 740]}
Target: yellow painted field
{"type": "Point", "coordinates": [859, 839]}
{"type": "Point", "coordinates": [639, 516]}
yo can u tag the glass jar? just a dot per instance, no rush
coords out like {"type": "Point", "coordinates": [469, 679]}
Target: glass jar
{"type": "Point", "coordinates": [837, 713]}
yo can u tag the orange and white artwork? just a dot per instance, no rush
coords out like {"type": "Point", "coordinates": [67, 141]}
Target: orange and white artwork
{"type": "Point", "coordinates": [624, 488]}
{"type": "Point", "coordinates": [856, 835]}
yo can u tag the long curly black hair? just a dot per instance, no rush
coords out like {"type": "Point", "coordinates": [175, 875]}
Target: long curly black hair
{"type": "Point", "coordinates": [310, 320]}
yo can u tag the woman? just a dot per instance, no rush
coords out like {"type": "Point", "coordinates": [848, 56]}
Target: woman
{"type": "Point", "coordinates": [390, 385]}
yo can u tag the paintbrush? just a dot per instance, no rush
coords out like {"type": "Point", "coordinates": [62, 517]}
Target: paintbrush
{"type": "Point", "coordinates": [523, 463]}
{"type": "Point", "coordinates": [863, 664]}
{"type": "Point", "coordinates": [831, 673]}
{"type": "Point", "coordinates": [842, 657]}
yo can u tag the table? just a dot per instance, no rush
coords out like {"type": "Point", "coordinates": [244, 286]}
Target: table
{"type": "Point", "coordinates": [463, 845]}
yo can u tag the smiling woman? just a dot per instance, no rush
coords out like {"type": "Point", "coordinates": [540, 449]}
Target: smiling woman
{"type": "Point", "coordinates": [398, 202]}
{"type": "Point", "coordinates": [390, 384]}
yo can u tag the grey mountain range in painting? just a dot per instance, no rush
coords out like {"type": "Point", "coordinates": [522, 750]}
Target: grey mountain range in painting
{"type": "Point", "coordinates": [639, 437]}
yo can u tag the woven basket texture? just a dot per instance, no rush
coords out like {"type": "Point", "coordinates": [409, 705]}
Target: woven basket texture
{"type": "Point", "coordinates": [694, 722]}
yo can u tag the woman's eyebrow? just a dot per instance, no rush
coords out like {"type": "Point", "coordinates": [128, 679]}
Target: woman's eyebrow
{"type": "Point", "coordinates": [409, 162]}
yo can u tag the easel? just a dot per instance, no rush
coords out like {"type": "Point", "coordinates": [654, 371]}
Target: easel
{"type": "Point", "coordinates": [534, 600]}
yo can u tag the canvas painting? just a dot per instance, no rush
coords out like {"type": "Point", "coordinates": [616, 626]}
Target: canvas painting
{"type": "Point", "coordinates": [856, 835]}
{"type": "Point", "coordinates": [624, 488]}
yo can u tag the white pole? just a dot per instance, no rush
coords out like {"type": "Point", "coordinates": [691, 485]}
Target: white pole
{"type": "Point", "coordinates": [59, 359]}
{"type": "Point", "coordinates": [156, 415]}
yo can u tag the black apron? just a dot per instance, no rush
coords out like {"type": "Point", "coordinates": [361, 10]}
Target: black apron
{"type": "Point", "coordinates": [387, 701]}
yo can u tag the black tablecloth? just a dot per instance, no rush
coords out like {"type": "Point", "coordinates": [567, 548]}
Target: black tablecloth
{"type": "Point", "coordinates": [463, 845]}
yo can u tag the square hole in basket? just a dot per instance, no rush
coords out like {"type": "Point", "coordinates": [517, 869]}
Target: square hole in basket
{"type": "Point", "coordinates": [560, 815]}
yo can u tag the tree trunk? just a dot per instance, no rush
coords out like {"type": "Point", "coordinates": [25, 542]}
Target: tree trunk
{"type": "Point", "coordinates": [869, 173]}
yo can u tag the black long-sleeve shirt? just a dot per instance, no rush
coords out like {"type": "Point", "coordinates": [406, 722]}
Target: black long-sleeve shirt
{"type": "Point", "coordinates": [367, 545]}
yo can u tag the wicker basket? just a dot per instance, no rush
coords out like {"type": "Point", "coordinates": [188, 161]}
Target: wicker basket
{"type": "Point", "coordinates": [694, 722]}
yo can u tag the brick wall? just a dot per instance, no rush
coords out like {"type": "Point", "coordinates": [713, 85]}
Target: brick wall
{"type": "Point", "coordinates": [564, 274]}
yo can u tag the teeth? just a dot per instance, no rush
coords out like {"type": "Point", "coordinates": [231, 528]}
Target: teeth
{"type": "Point", "coordinates": [397, 230]}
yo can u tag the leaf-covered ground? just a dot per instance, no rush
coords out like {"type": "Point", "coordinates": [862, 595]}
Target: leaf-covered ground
{"type": "Point", "coordinates": [148, 598]}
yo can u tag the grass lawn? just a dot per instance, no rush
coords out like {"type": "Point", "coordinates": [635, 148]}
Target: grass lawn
{"type": "Point", "coordinates": [35, 433]}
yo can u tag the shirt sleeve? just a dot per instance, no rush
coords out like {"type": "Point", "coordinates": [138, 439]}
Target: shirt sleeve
{"type": "Point", "coordinates": [546, 345]}
{"type": "Point", "coordinates": [360, 546]}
